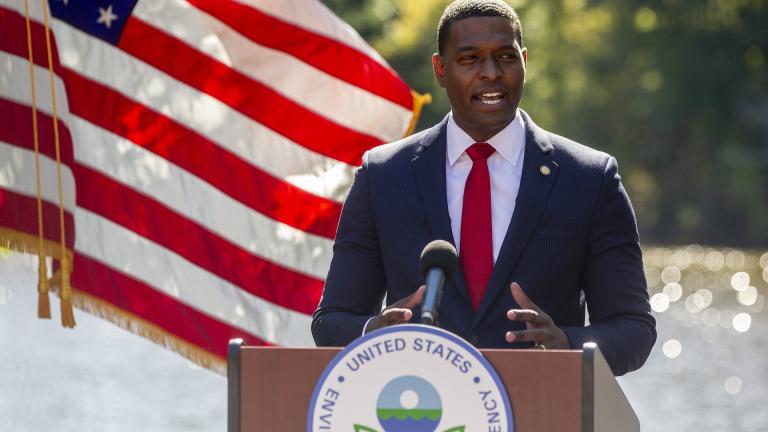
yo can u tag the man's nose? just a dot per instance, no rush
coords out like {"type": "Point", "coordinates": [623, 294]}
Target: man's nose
{"type": "Point", "coordinates": [490, 69]}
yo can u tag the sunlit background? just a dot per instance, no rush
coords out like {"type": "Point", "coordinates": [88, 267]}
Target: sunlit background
{"type": "Point", "coordinates": [676, 90]}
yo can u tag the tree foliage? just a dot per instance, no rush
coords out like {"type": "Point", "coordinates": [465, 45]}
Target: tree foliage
{"type": "Point", "coordinates": [676, 90]}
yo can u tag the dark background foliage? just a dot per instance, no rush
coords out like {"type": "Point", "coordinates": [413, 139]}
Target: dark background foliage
{"type": "Point", "coordinates": [677, 90]}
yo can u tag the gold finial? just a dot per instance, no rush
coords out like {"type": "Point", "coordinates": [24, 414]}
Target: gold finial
{"type": "Point", "coordinates": [419, 100]}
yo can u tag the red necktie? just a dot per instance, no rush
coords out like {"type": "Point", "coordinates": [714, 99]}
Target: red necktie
{"type": "Point", "coordinates": [476, 254]}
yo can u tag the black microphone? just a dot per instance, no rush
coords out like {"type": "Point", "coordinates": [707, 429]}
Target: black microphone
{"type": "Point", "coordinates": [438, 260]}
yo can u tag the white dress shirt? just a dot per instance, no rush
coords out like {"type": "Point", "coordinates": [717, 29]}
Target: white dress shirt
{"type": "Point", "coordinates": [505, 167]}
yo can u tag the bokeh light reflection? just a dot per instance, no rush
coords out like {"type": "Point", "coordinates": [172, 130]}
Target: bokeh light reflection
{"type": "Point", "coordinates": [740, 280]}
{"type": "Point", "coordinates": [732, 385]}
{"type": "Point", "coordinates": [681, 259]}
{"type": "Point", "coordinates": [704, 298]}
{"type": "Point", "coordinates": [714, 261]}
{"type": "Point", "coordinates": [748, 296]}
{"type": "Point", "coordinates": [659, 302]}
{"type": "Point", "coordinates": [670, 274]}
{"type": "Point", "coordinates": [672, 348]}
{"type": "Point", "coordinates": [741, 322]}
{"type": "Point", "coordinates": [673, 291]}
{"type": "Point", "coordinates": [692, 303]}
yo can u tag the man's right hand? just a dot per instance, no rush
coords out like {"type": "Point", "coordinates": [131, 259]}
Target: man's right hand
{"type": "Point", "coordinates": [400, 312]}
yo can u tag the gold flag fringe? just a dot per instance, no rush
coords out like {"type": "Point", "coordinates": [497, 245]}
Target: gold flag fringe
{"type": "Point", "coordinates": [148, 330]}
{"type": "Point", "coordinates": [29, 244]}
{"type": "Point", "coordinates": [419, 101]}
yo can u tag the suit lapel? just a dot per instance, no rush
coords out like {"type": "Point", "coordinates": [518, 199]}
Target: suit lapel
{"type": "Point", "coordinates": [429, 171]}
{"type": "Point", "coordinates": [535, 185]}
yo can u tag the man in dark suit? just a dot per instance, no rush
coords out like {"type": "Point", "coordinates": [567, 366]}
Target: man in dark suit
{"type": "Point", "coordinates": [542, 224]}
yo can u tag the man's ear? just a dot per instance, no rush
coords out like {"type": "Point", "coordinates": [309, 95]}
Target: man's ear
{"type": "Point", "coordinates": [438, 66]}
{"type": "Point", "coordinates": [524, 52]}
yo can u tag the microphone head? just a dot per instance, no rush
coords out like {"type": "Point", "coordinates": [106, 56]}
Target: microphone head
{"type": "Point", "coordinates": [441, 254]}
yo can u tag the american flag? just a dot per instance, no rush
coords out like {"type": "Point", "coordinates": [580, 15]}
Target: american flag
{"type": "Point", "coordinates": [205, 148]}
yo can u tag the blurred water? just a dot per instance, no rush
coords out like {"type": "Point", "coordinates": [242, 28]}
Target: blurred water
{"type": "Point", "coordinates": [707, 371]}
{"type": "Point", "coordinates": [96, 377]}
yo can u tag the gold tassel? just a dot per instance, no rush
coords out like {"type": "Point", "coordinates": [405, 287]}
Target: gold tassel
{"type": "Point", "coordinates": [419, 100]}
{"type": "Point", "coordinates": [67, 313]}
{"type": "Point", "coordinates": [28, 243]}
{"type": "Point", "coordinates": [43, 300]}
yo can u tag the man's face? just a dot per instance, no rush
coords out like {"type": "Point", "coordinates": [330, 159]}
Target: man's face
{"type": "Point", "coordinates": [482, 70]}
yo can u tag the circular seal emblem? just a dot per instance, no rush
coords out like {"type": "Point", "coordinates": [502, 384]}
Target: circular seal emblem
{"type": "Point", "coordinates": [409, 378]}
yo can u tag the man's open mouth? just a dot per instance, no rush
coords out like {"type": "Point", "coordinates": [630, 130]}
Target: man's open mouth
{"type": "Point", "coordinates": [490, 98]}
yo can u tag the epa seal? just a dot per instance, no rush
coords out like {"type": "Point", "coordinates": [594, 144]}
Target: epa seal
{"type": "Point", "coordinates": [409, 378]}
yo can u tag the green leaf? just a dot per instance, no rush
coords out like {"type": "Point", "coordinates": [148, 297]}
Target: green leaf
{"type": "Point", "coordinates": [455, 429]}
{"type": "Point", "coordinates": [361, 428]}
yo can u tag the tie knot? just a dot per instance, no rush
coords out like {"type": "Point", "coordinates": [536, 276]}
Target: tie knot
{"type": "Point", "coordinates": [480, 151]}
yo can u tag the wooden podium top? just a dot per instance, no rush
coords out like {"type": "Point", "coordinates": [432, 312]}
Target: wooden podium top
{"type": "Point", "coordinates": [549, 390]}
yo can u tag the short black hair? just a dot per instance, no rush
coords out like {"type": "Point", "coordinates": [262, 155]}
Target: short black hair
{"type": "Point", "coordinates": [463, 9]}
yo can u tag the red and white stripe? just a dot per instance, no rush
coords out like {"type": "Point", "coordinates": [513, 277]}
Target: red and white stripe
{"type": "Point", "coordinates": [205, 157]}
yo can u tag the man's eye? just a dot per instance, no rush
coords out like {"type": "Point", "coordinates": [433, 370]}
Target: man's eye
{"type": "Point", "coordinates": [467, 58]}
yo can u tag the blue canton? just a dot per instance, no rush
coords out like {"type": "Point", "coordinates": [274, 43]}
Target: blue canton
{"type": "Point", "coordinates": [102, 19]}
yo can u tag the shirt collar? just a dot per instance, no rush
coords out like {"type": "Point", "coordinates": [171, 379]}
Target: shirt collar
{"type": "Point", "coordinates": [509, 142]}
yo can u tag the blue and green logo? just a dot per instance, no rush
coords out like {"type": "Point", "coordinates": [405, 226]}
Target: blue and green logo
{"type": "Point", "coordinates": [409, 403]}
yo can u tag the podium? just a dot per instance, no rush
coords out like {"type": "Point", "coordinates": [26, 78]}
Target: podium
{"type": "Point", "coordinates": [269, 388]}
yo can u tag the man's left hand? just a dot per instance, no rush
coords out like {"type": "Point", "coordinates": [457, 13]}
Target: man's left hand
{"type": "Point", "coordinates": [540, 328]}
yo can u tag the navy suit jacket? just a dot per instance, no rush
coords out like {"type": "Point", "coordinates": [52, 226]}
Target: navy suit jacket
{"type": "Point", "coordinates": [573, 238]}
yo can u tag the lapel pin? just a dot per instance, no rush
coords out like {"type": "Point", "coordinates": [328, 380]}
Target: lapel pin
{"type": "Point", "coordinates": [544, 170]}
